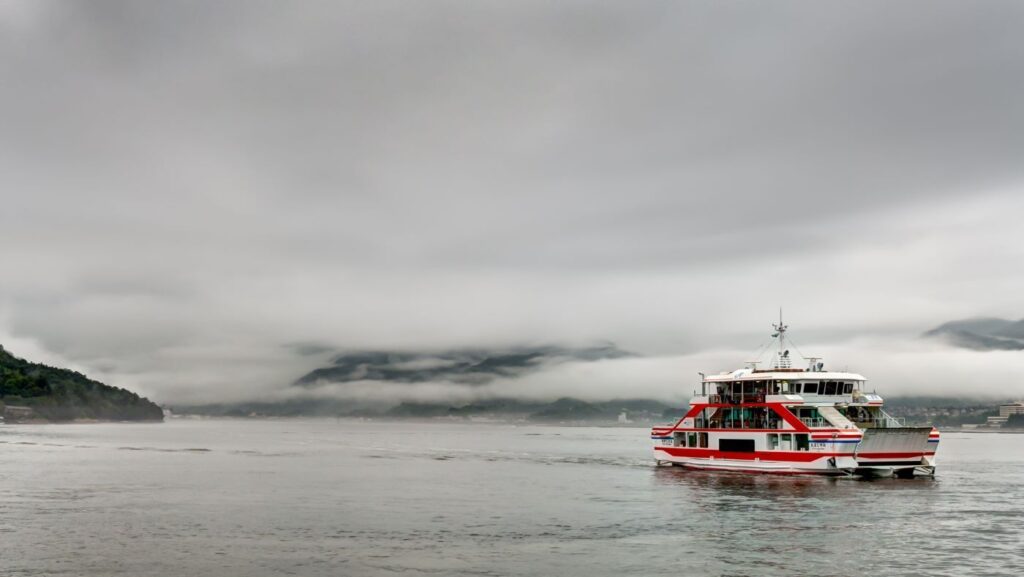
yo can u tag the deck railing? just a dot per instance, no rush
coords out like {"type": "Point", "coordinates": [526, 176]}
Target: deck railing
{"type": "Point", "coordinates": [739, 424]}
{"type": "Point", "coordinates": [885, 422]}
{"type": "Point", "coordinates": [735, 399]}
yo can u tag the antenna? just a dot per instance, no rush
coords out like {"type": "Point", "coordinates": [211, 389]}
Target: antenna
{"type": "Point", "coordinates": [782, 356]}
{"type": "Point", "coordinates": [780, 328]}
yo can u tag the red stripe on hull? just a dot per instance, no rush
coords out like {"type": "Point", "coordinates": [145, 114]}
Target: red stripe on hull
{"type": "Point", "coordinates": [907, 455]}
{"type": "Point", "coordinates": [761, 471]}
{"type": "Point", "coordinates": [780, 456]}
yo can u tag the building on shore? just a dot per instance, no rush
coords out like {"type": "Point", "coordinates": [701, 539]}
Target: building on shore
{"type": "Point", "coordinates": [17, 414]}
{"type": "Point", "coordinates": [1004, 413]}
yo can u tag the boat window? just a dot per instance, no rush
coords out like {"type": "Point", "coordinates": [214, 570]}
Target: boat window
{"type": "Point", "coordinates": [830, 388]}
{"type": "Point", "coordinates": [692, 439]}
{"type": "Point", "coordinates": [801, 442]}
{"type": "Point", "coordinates": [773, 441]}
{"type": "Point", "coordinates": [703, 437]}
{"type": "Point", "coordinates": [785, 442]}
{"type": "Point", "coordinates": [811, 388]}
{"type": "Point", "coordinates": [736, 445]}
{"type": "Point", "coordinates": [759, 388]}
{"type": "Point", "coordinates": [679, 439]}
{"type": "Point", "coordinates": [795, 387]}
{"type": "Point", "coordinates": [785, 387]}
{"type": "Point", "coordinates": [847, 388]}
{"type": "Point", "coordinates": [704, 418]}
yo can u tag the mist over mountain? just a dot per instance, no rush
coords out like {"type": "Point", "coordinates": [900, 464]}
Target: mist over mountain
{"type": "Point", "coordinates": [982, 334]}
{"type": "Point", "coordinates": [461, 366]}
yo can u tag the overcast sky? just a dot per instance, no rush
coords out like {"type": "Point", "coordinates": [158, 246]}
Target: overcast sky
{"type": "Point", "coordinates": [190, 189]}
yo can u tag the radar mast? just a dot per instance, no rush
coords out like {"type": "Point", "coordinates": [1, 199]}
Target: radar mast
{"type": "Point", "coordinates": [782, 360]}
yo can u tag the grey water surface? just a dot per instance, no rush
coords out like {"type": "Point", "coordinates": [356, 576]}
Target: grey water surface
{"type": "Point", "coordinates": [326, 497]}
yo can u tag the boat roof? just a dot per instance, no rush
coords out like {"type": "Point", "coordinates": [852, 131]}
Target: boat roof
{"type": "Point", "coordinates": [783, 375]}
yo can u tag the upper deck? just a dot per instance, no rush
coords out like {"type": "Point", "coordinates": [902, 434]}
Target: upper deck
{"type": "Point", "coordinates": [782, 375]}
{"type": "Point", "coordinates": [791, 386]}
{"type": "Point", "coordinates": [783, 383]}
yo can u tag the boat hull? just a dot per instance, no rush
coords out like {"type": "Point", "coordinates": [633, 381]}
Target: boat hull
{"type": "Point", "coordinates": [901, 452]}
{"type": "Point", "coordinates": [793, 463]}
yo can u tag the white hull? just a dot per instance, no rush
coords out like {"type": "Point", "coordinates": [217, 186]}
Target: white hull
{"type": "Point", "coordinates": [824, 465]}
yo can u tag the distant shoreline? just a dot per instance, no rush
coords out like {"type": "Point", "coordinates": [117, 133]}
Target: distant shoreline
{"type": "Point", "coordinates": [80, 422]}
{"type": "Point", "coordinates": [986, 431]}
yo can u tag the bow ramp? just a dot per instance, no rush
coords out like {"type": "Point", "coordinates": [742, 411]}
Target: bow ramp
{"type": "Point", "coordinates": [897, 451]}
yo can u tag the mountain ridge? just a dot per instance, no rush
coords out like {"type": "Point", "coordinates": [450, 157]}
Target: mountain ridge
{"type": "Point", "coordinates": [467, 366]}
{"type": "Point", "coordinates": [981, 334]}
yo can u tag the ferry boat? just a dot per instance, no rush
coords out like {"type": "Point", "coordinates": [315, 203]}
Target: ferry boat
{"type": "Point", "coordinates": [790, 420]}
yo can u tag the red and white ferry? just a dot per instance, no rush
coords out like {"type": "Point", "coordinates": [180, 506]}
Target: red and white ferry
{"type": "Point", "coordinates": [796, 421]}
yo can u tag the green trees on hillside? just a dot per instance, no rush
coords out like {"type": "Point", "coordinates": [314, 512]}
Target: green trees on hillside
{"type": "Point", "coordinates": [16, 383]}
{"type": "Point", "coordinates": [59, 394]}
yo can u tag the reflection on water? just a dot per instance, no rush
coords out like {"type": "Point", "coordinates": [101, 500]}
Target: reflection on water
{"type": "Point", "coordinates": [348, 498]}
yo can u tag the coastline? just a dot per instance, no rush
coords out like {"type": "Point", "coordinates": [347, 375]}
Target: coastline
{"type": "Point", "coordinates": [79, 421]}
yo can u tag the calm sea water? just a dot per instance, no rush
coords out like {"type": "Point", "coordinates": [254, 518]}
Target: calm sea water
{"type": "Point", "coordinates": [253, 498]}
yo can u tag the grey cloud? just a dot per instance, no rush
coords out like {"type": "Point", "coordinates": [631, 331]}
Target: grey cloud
{"type": "Point", "coordinates": [187, 177]}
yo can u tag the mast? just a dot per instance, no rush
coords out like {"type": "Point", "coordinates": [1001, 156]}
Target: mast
{"type": "Point", "coordinates": [782, 360]}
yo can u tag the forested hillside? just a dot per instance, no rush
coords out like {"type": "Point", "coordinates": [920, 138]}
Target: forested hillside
{"type": "Point", "coordinates": [56, 394]}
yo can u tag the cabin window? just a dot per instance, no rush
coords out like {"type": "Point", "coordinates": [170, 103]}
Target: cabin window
{"type": "Point", "coordinates": [692, 439]}
{"type": "Point", "coordinates": [847, 388]}
{"type": "Point", "coordinates": [736, 445]}
{"type": "Point", "coordinates": [679, 440]}
{"type": "Point", "coordinates": [773, 441]}
{"type": "Point", "coordinates": [795, 387]}
{"type": "Point", "coordinates": [786, 442]}
{"type": "Point", "coordinates": [801, 442]}
{"type": "Point", "coordinates": [703, 437]}
{"type": "Point", "coordinates": [830, 388]}
{"type": "Point", "coordinates": [811, 388]}
{"type": "Point", "coordinates": [785, 387]}
{"type": "Point", "coordinates": [810, 416]}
